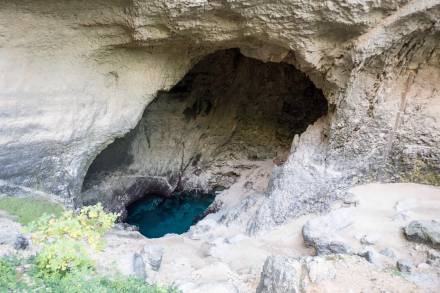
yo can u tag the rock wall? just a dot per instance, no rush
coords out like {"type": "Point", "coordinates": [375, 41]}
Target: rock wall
{"type": "Point", "coordinates": [76, 75]}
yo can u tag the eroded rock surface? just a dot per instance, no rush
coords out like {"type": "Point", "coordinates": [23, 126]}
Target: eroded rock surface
{"type": "Point", "coordinates": [77, 75]}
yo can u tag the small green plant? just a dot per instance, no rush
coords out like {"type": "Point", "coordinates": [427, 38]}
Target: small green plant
{"type": "Point", "coordinates": [28, 209]}
{"type": "Point", "coordinates": [64, 239]}
{"type": "Point", "coordinates": [9, 278]}
{"type": "Point", "coordinates": [76, 281]}
{"type": "Point", "coordinates": [87, 281]}
{"type": "Point", "coordinates": [88, 226]}
{"type": "Point", "coordinates": [396, 273]}
{"type": "Point", "coordinates": [60, 257]}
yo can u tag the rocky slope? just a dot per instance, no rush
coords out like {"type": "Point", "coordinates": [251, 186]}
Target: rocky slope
{"type": "Point", "coordinates": [385, 238]}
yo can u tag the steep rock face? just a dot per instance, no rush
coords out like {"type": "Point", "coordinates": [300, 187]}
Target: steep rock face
{"type": "Point", "coordinates": [74, 76]}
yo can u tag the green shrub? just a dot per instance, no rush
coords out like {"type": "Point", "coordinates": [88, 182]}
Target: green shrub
{"type": "Point", "coordinates": [62, 264]}
{"type": "Point", "coordinates": [62, 256]}
{"type": "Point", "coordinates": [64, 239]}
{"type": "Point", "coordinates": [9, 279]}
{"type": "Point", "coordinates": [28, 209]}
{"type": "Point", "coordinates": [88, 281]}
{"type": "Point", "coordinates": [75, 281]}
{"type": "Point", "coordinates": [87, 226]}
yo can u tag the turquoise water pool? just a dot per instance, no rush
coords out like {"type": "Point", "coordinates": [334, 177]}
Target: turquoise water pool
{"type": "Point", "coordinates": [157, 215]}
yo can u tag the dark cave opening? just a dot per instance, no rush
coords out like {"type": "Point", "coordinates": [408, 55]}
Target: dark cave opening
{"type": "Point", "coordinates": [227, 113]}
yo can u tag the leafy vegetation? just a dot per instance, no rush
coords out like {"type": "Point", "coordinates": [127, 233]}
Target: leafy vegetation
{"type": "Point", "coordinates": [63, 264]}
{"type": "Point", "coordinates": [9, 279]}
{"type": "Point", "coordinates": [28, 209]}
{"type": "Point", "coordinates": [64, 240]}
{"type": "Point", "coordinates": [84, 281]}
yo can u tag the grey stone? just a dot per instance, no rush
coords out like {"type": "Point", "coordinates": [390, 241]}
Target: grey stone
{"type": "Point", "coordinates": [139, 266]}
{"type": "Point", "coordinates": [369, 239]}
{"type": "Point", "coordinates": [280, 275]}
{"type": "Point", "coordinates": [427, 232]}
{"type": "Point", "coordinates": [21, 242]}
{"type": "Point", "coordinates": [14, 239]}
{"type": "Point", "coordinates": [199, 230]}
{"type": "Point", "coordinates": [320, 270]}
{"type": "Point", "coordinates": [433, 257]}
{"type": "Point", "coordinates": [405, 266]}
{"type": "Point", "coordinates": [372, 256]}
{"type": "Point", "coordinates": [153, 256]}
{"type": "Point", "coordinates": [388, 252]}
{"type": "Point", "coordinates": [7, 238]}
{"type": "Point", "coordinates": [321, 233]}
{"type": "Point", "coordinates": [126, 227]}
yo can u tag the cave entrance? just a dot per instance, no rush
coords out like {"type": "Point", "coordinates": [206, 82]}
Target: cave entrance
{"type": "Point", "coordinates": [227, 115]}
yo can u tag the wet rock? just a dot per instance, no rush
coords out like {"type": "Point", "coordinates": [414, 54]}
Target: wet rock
{"type": "Point", "coordinates": [153, 256]}
{"type": "Point", "coordinates": [280, 275]}
{"type": "Point", "coordinates": [322, 233]}
{"type": "Point", "coordinates": [427, 232]}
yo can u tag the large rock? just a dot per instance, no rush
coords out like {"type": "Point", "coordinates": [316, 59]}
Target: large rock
{"type": "Point", "coordinates": [139, 266]}
{"type": "Point", "coordinates": [321, 233]}
{"type": "Point", "coordinates": [152, 255]}
{"type": "Point", "coordinates": [280, 275]}
{"type": "Point", "coordinates": [424, 231]}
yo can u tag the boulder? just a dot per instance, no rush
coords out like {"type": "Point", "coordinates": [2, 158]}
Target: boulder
{"type": "Point", "coordinates": [152, 255]}
{"type": "Point", "coordinates": [404, 266]}
{"type": "Point", "coordinates": [21, 242]}
{"type": "Point", "coordinates": [322, 233]}
{"type": "Point", "coordinates": [433, 257]}
{"type": "Point", "coordinates": [320, 270]}
{"type": "Point", "coordinates": [139, 266]}
{"type": "Point", "coordinates": [427, 232]}
{"type": "Point", "coordinates": [280, 275]}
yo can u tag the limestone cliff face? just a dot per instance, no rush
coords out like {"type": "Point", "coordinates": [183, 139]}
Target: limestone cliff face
{"type": "Point", "coordinates": [76, 75]}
